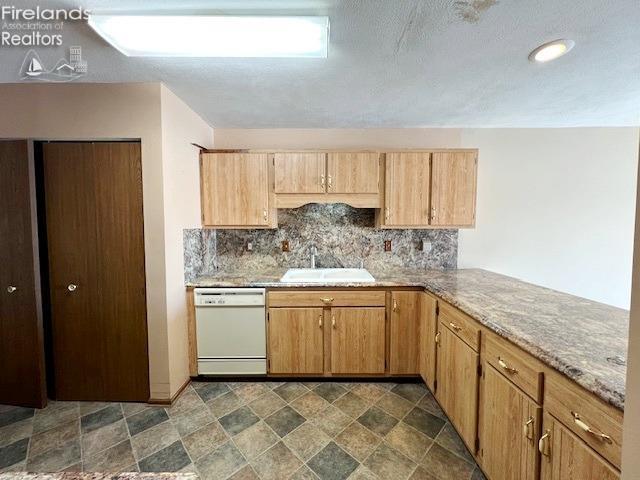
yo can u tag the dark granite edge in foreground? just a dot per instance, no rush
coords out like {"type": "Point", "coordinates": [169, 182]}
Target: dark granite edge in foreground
{"type": "Point", "coordinates": [584, 340]}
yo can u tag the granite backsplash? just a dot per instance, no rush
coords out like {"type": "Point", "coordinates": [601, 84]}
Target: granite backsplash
{"type": "Point", "coordinates": [344, 236]}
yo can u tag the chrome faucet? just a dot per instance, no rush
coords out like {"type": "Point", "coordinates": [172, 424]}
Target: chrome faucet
{"type": "Point", "coordinates": [313, 251]}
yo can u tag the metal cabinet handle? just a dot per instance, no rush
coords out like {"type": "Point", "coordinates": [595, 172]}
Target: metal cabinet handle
{"type": "Point", "coordinates": [333, 321]}
{"type": "Point", "coordinates": [544, 444]}
{"type": "Point", "coordinates": [506, 367]}
{"type": "Point", "coordinates": [456, 327]}
{"type": "Point", "coordinates": [322, 180]}
{"type": "Point", "coordinates": [11, 289]}
{"type": "Point", "coordinates": [326, 300]}
{"type": "Point", "coordinates": [265, 214]}
{"type": "Point", "coordinates": [395, 305]}
{"type": "Point", "coordinates": [72, 287]}
{"type": "Point", "coordinates": [583, 426]}
{"type": "Point", "coordinates": [528, 428]}
{"type": "Point", "coordinates": [433, 213]}
{"type": "Point", "coordinates": [438, 338]}
{"type": "Point", "coordinates": [320, 321]}
{"type": "Point", "coordinates": [386, 213]}
{"type": "Point", "coordinates": [330, 182]}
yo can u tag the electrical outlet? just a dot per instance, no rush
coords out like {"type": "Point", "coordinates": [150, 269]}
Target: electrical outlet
{"type": "Point", "coordinates": [285, 245]}
{"type": "Point", "coordinates": [387, 245]}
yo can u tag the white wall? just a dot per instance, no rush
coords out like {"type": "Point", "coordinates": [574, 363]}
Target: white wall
{"type": "Point", "coordinates": [556, 207]}
{"type": "Point", "coordinates": [181, 180]}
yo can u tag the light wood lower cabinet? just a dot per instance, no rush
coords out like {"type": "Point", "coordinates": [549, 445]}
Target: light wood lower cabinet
{"type": "Point", "coordinates": [457, 383]}
{"type": "Point", "coordinates": [509, 429]}
{"type": "Point", "coordinates": [357, 340]}
{"type": "Point", "coordinates": [427, 345]}
{"type": "Point", "coordinates": [296, 340]}
{"type": "Point", "coordinates": [405, 333]}
{"type": "Point", "coordinates": [567, 457]}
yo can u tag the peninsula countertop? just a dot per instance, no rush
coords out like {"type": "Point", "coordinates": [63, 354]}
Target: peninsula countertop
{"type": "Point", "coordinates": [582, 339]}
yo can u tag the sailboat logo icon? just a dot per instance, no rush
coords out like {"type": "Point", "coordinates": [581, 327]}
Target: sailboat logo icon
{"type": "Point", "coordinates": [35, 67]}
{"type": "Point", "coordinates": [64, 71]}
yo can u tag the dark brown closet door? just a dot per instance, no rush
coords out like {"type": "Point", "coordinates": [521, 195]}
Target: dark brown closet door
{"type": "Point", "coordinates": [22, 378]}
{"type": "Point", "coordinates": [93, 198]}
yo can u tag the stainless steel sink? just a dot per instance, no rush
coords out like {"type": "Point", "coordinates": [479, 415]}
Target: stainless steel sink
{"type": "Point", "coordinates": [327, 275]}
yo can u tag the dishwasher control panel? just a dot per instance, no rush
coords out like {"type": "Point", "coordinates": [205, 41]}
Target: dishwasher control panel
{"type": "Point", "coordinates": [236, 297]}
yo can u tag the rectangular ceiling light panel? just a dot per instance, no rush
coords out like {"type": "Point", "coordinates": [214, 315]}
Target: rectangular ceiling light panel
{"type": "Point", "coordinates": [214, 36]}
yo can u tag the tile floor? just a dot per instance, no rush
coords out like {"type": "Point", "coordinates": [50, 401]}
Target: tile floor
{"type": "Point", "coordinates": [243, 430]}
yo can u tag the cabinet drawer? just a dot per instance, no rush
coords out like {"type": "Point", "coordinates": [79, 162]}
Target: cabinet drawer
{"type": "Point", "coordinates": [319, 298]}
{"type": "Point", "coordinates": [591, 419]}
{"type": "Point", "coordinates": [524, 371]}
{"type": "Point", "coordinates": [462, 325]}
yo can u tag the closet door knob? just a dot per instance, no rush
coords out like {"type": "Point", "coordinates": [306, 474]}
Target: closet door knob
{"type": "Point", "coordinates": [71, 287]}
{"type": "Point", "coordinates": [11, 289]}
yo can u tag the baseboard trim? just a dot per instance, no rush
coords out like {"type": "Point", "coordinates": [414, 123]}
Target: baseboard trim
{"type": "Point", "coordinates": [169, 401]}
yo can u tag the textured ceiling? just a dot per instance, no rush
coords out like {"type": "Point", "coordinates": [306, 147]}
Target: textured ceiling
{"type": "Point", "coordinates": [396, 63]}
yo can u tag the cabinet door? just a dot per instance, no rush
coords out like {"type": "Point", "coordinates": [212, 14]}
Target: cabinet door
{"type": "Point", "coordinates": [299, 172]}
{"type": "Point", "coordinates": [405, 332]}
{"type": "Point", "coordinates": [407, 188]}
{"type": "Point", "coordinates": [353, 173]}
{"type": "Point", "coordinates": [235, 189]}
{"type": "Point", "coordinates": [427, 347]}
{"type": "Point", "coordinates": [453, 196]}
{"type": "Point", "coordinates": [457, 388]}
{"type": "Point", "coordinates": [296, 340]}
{"type": "Point", "coordinates": [509, 422]}
{"type": "Point", "coordinates": [567, 457]}
{"type": "Point", "coordinates": [357, 340]}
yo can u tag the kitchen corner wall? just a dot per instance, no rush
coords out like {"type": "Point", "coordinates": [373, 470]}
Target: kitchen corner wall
{"type": "Point", "coordinates": [170, 176]}
{"type": "Point", "coordinates": [344, 236]}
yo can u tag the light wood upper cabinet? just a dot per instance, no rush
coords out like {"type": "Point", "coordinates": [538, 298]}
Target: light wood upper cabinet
{"type": "Point", "coordinates": [300, 172]}
{"type": "Point", "coordinates": [457, 387]}
{"type": "Point", "coordinates": [357, 340]}
{"type": "Point", "coordinates": [567, 457]}
{"type": "Point", "coordinates": [509, 429]}
{"type": "Point", "coordinates": [407, 189]}
{"type": "Point", "coordinates": [296, 340]}
{"type": "Point", "coordinates": [405, 333]}
{"type": "Point", "coordinates": [453, 195]}
{"type": "Point", "coordinates": [235, 190]}
{"type": "Point", "coordinates": [427, 348]}
{"type": "Point", "coordinates": [353, 172]}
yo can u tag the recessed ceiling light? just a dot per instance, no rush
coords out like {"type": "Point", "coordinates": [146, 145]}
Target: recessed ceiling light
{"type": "Point", "coordinates": [551, 50]}
{"type": "Point", "coordinates": [214, 36]}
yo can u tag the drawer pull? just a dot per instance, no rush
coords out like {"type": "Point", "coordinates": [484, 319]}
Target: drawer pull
{"type": "Point", "coordinates": [333, 321]}
{"type": "Point", "coordinates": [320, 321]}
{"type": "Point", "coordinates": [544, 445]}
{"type": "Point", "coordinates": [506, 367]}
{"type": "Point", "coordinates": [326, 300]}
{"type": "Point", "coordinates": [583, 426]}
{"type": "Point", "coordinates": [457, 328]}
{"type": "Point", "coordinates": [528, 428]}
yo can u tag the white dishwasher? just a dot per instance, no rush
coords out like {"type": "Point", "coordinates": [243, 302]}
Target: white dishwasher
{"type": "Point", "coordinates": [231, 327]}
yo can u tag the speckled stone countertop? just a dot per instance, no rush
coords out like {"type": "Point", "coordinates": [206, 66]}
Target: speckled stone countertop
{"type": "Point", "coordinates": [583, 339]}
{"type": "Point", "coordinates": [97, 476]}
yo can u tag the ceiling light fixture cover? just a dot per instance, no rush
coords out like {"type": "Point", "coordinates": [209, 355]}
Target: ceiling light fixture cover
{"type": "Point", "coordinates": [551, 50]}
{"type": "Point", "coordinates": [214, 36]}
